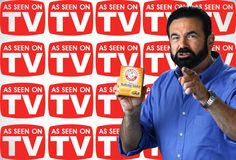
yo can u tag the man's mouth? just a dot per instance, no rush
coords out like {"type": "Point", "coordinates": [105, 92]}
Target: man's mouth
{"type": "Point", "coordinates": [183, 55]}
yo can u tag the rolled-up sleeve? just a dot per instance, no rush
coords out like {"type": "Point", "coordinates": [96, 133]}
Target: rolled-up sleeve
{"type": "Point", "coordinates": [142, 145]}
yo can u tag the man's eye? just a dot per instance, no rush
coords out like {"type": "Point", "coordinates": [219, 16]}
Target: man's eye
{"type": "Point", "coordinates": [192, 36]}
{"type": "Point", "coordinates": [175, 38]}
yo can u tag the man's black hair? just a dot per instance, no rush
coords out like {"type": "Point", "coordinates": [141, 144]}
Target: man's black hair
{"type": "Point", "coordinates": [191, 12]}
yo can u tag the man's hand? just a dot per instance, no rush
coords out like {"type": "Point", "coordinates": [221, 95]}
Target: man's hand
{"type": "Point", "coordinates": [192, 84]}
{"type": "Point", "coordinates": [129, 104]}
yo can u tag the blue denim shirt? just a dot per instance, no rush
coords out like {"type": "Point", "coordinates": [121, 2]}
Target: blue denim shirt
{"type": "Point", "coordinates": [179, 126]}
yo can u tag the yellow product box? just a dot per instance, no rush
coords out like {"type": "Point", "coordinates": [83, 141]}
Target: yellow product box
{"type": "Point", "coordinates": [131, 81]}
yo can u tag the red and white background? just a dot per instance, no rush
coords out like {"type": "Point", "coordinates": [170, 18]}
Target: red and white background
{"type": "Point", "coordinates": [60, 59]}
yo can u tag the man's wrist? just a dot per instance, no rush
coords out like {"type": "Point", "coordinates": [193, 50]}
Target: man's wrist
{"type": "Point", "coordinates": [132, 112]}
{"type": "Point", "coordinates": [205, 98]}
{"type": "Point", "coordinates": [209, 102]}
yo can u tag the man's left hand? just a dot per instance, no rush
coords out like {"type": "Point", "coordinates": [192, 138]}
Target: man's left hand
{"type": "Point", "coordinates": [192, 84]}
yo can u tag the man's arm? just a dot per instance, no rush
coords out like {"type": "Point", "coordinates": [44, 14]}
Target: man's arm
{"type": "Point", "coordinates": [130, 131]}
{"type": "Point", "coordinates": [225, 118]}
{"type": "Point", "coordinates": [224, 115]}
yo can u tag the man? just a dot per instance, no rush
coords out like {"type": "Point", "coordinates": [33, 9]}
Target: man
{"type": "Point", "coordinates": [190, 113]}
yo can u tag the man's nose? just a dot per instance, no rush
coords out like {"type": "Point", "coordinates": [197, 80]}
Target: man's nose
{"type": "Point", "coordinates": [183, 43]}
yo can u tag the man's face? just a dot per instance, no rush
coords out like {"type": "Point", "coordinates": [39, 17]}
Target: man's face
{"type": "Point", "coordinates": [187, 41]}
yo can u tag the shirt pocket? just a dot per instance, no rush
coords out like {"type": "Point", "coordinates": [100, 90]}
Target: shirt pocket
{"type": "Point", "coordinates": [207, 132]}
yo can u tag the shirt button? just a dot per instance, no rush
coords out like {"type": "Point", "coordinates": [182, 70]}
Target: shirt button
{"type": "Point", "coordinates": [178, 155]}
{"type": "Point", "coordinates": [183, 113]}
{"type": "Point", "coordinates": [181, 134]}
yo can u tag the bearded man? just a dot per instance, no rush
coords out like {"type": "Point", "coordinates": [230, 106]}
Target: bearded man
{"type": "Point", "coordinates": [190, 112]}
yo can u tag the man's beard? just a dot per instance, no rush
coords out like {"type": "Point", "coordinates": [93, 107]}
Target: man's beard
{"type": "Point", "coordinates": [192, 60]}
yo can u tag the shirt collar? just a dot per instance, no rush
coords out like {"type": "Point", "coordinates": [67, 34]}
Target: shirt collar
{"type": "Point", "coordinates": [210, 72]}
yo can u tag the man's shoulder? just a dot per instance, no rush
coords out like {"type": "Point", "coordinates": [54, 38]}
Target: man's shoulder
{"type": "Point", "coordinates": [230, 73]}
{"type": "Point", "coordinates": [168, 74]}
{"type": "Point", "coordinates": [165, 76]}
{"type": "Point", "coordinates": [226, 80]}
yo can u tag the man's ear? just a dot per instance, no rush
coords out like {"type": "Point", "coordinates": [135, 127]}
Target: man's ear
{"type": "Point", "coordinates": [210, 41]}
